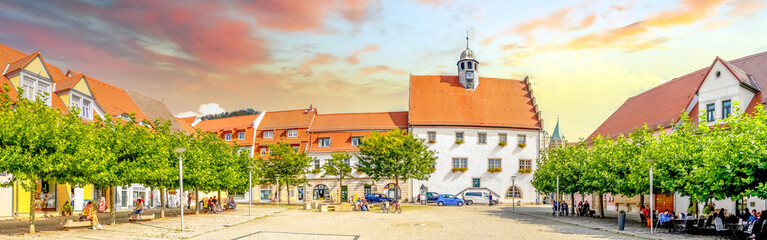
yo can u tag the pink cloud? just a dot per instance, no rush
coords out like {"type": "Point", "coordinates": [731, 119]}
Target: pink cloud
{"type": "Point", "coordinates": [294, 16]}
{"type": "Point", "coordinates": [354, 58]}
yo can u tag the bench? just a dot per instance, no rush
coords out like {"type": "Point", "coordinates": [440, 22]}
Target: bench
{"type": "Point", "coordinates": [76, 224]}
{"type": "Point", "coordinates": [141, 217]}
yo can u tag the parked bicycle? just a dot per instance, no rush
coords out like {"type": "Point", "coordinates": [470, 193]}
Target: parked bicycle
{"type": "Point", "coordinates": [395, 207]}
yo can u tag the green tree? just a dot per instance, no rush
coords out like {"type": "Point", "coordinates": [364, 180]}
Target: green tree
{"type": "Point", "coordinates": [286, 164]}
{"type": "Point", "coordinates": [337, 166]}
{"type": "Point", "coordinates": [395, 154]}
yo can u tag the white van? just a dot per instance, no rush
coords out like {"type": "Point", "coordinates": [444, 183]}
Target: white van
{"type": "Point", "coordinates": [483, 197]}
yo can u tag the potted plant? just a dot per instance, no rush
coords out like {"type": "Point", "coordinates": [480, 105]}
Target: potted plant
{"type": "Point", "coordinates": [502, 144]}
{"type": "Point", "coordinates": [433, 170]}
{"type": "Point", "coordinates": [66, 210]}
{"type": "Point", "coordinates": [525, 170]}
{"type": "Point", "coordinates": [522, 145]}
{"type": "Point", "coordinates": [494, 170]}
{"type": "Point", "coordinates": [458, 141]}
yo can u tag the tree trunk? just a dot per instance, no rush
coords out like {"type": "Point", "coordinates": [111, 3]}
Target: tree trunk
{"type": "Point", "coordinates": [112, 213]}
{"type": "Point", "coordinates": [340, 186]}
{"type": "Point", "coordinates": [396, 187]}
{"type": "Point", "coordinates": [601, 206]}
{"type": "Point", "coordinates": [196, 201]}
{"type": "Point", "coordinates": [32, 207]}
{"type": "Point", "coordinates": [641, 201]}
{"type": "Point", "coordinates": [162, 203]}
{"type": "Point", "coordinates": [219, 198]}
{"type": "Point", "coordinates": [287, 186]}
{"type": "Point", "coordinates": [572, 204]}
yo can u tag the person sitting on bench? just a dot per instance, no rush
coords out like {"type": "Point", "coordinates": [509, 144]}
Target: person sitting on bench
{"type": "Point", "coordinates": [90, 214]}
{"type": "Point", "coordinates": [232, 204]}
{"type": "Point", "coordinates": [139, 207]}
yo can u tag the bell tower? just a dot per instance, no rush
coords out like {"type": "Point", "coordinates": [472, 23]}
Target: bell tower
{"type": "Point", "coordinates": [468, 73]}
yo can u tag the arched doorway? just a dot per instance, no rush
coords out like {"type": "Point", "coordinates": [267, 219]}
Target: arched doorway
{"type": "Point", "coordinates": [321, 192]}
{"type": "Point", "coordinates": [392, 190]}
{"type": "Point", "coordinates": [513, 192]}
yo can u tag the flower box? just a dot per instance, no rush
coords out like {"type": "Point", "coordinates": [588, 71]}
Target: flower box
{"type": "Point", "coordinates": [316, 171]}
{"type": "Point", "coordinates": [432, 141]}
{"type": "Point", "coordinates": [433, 170]}
{"type": "Point", "coordinates": [494, 170]}
{"type": "Point", "coordinates": [458, 141]}
{"type": "Point", "coordinates": [522, 145]}
{"type": "Point", "coordinates": [525, 170]}
{"type": "Point", "coordinates": [459, 169]}
{"type": "Point", "coordinates": [502, 144]}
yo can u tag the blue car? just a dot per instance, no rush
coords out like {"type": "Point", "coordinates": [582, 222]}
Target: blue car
{"type": "Point", "coordinates": [449, 199]}
{"type": "Point", "coordinates": [377, 198]}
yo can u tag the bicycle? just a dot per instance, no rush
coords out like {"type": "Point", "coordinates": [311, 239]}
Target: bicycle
{"type": "Point", "coordinates": [395, 207]}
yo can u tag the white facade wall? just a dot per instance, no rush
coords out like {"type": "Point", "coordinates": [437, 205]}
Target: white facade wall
{"type": "Point", "coordinates": [445, 181]}
{"type": "Point", "coordinates": [715, 90]}
{"type": "Point", "coordinates": [6, 193]}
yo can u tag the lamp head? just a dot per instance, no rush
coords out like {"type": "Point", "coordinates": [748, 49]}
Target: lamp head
{"type": "Point", "coordinates": [179, 150]}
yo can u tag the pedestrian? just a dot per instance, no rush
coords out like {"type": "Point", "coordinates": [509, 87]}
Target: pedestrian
{"type": "Point", "coordinates": [90, 214]}
{"type": "Point", "coordinates": [490, 200]}
{"type": "Point", "coordinates": [188, 200]}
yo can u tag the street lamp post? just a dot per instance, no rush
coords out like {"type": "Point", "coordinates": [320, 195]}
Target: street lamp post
{"type": "Point", "coordinates": [652, 202]}
{"type": "Point", "coordinates": [514, 194]}
{"type": "Point", "coordinates": [180, 152]}
{"type": "Point", "coordinates": [559, 200]}
{"type": "Point", "coordinates": [250, 190]}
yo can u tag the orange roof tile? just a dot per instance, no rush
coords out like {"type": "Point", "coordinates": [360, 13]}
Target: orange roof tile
{"type": "Point", "coordinates": [188, 120]}
{"type": "Point", "coordinates": [67, 83]}
{"type": "Point", "coordinates": [8, 55]}
{"type": "Point", "coordinates": [359, 121]}
{"type": "Point", "coordinates": [113, 100]}
{"type": "Point", "coordinates": [12, 93]}
{"type": "Point", "coordinates": [59, 104]}
{"type": "Point", "coordinates": [21, 62]}
{"type": "Point", "coordinates": [441, 100]}
{"type": "Point", "coordinates": [287, 119]}
{"type": "Point", "coordinates": [185, 125]}
{"type": "Point", "coordinates": [55, 72]}
{"type": "Point", "coordinates": [225, 124]}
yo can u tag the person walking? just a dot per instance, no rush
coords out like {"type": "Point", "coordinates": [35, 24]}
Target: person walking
{"type": "Point", "coordinates": [490, 200]}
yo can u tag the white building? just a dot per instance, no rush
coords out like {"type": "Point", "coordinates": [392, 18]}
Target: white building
{"type": "Point", "coordinates": [477, 126]}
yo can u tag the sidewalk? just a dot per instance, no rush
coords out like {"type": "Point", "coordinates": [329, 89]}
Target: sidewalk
{"type": "Point", "coordinates": [167, 228]}
{"type": "Point", "coordinates": [608, 224]}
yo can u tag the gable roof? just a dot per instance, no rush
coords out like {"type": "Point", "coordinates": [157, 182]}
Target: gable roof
{"type": "Point", "coordinates": [225, 124]}
{"type": "Point", "coordinates": [68, 83]}
{"type": "Point", "coordinates": [155, 109]}
{"type": "Point", "coordinates": [186, 126]}
{"type": "Point", "coordinates": [21, 62]}
{"type": "Point", "coordinates": [441, 100]}
{"type": "Point", "coordinates": [739, 74]}
{"type": "Point", "coordinates": [113, 100]}
{"type": "Point", "coordinates": [663, 104]}
{"type": "Point", "coordinates": [359, 121]}
{"type": "Point", "coordinates": [188, 120]}
{"type": "Point", "coordinates": [301, 118]}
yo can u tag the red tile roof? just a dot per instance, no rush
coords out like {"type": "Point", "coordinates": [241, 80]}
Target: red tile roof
{"type": "Point", "coordinates": [188, 120]}
{"type": "Point", "coordinates": [21, 62]}
{"type": "Point", "coordinates": [55, 72]}
{"type": "Point", "coordinates": [662, 105]}
{"type": "Point", "coordinates": [226, 124]}
{"type": "Point", "coordinates": [58, 103]}
{"type": "Point", "coordinates": [186, 126]}
{"type": "Point", "coordinates": [67, 83]}
{"type": "Point", "coordinates": [8, 55]}
{"type": "Point", "coordinates": [359, 121]}
{"type": "Point", "coordinates": [113, 100]}
{"type": "Point", "coordinates": [441, 100]}
{"type": "Point", "coordinates": [287, 119]}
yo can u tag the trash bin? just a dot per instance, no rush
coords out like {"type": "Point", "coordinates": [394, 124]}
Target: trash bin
{"type": "Point", "coordinates": [621, 221]}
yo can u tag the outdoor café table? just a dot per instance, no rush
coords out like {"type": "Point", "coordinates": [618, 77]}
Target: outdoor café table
{"type": "Point", "coordinates": [735, 228]}
{"type": "Point", "coordinates": [678, 224]}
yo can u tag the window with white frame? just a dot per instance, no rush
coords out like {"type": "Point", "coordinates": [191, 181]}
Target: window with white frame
{"type": "Point", "coordinates": [317, 164]}
{"type": "Point", "coordinates": [241, 135]}
{"type": "Point", "coordinates": [228, 136]}
{"type": "Point", "coordinates": [324, 142]}
{"type": "Point", "coordinates": [460, 162]}
{"type": "Point", "coordinates": [356, 141]}
{"type": "Point", "coordinates": [432, 137]}
{"type": "Point", "coordinates": [86, 112]}
{"type": "Point", "coordinates": [494, 163]}
{"type": "Point", "coordinates": [502, 138]}
{"type": "Point", "coordinates": [521, 139]}
{"type": "Point", "coordinates": [459, 136]}
{"type": "Point", "coordinates": [263, 151]}
{"type": "Point", "coordinates": [293, 133]}
{"type": "Point", "coordinates": [33, 86]}
{"type": "Point", "coordinates": [268, 134]}
{"type": "Point", "coordinates": [295, 148]}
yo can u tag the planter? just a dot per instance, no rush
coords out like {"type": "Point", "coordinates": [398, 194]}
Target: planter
{"type": "Point", "coordinates": [525, 170]}
{"type": "Point", "coordinates": [458, 141]}
{"type": "Point", "coordinates": [461, 169]}
{"type": "Point", "coordinates": [502, 144]}
{"type": "Point", "coordinates": [522, 145]}
{"type": "Point", "coordinates": [621, 221]}
{"type": "Point", "coordinates": [432, 141]}
{"type": "Point", "coordinates": [494, 170]}
{"type": "Point", "coordinates": [316, 171]}
{"type": "Point", "coordinates": [433, 170]}
{"type": "Point", "coordinates": [360, 172]}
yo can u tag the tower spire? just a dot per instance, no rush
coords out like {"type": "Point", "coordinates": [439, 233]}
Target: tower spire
{"type": "Point", "coordinates": [467, 39]}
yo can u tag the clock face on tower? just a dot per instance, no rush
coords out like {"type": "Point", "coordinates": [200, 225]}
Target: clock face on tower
{"type": "Point", "coordinates": [469, 74]}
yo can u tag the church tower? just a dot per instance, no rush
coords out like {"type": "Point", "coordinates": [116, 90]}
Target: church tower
{"type": "Point", "coordinates": [468, 74]}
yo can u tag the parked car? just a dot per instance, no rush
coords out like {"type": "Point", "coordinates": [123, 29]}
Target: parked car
{"type": "Point", "coordinates": [431, 197]}
{"type": "Point", "coordinates": [377, 198]}
{"type": "Point", "coordinates": [472, 197]}
{"type": "Point", "coordinates": [449, 199]}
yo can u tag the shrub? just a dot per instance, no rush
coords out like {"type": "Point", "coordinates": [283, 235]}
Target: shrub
{"type": "Point", "coordinates": [316, 170]}
{"type": "Point", "coordinates": [66, 210]}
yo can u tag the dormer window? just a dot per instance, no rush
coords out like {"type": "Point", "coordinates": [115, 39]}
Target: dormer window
{"type": "Point", "coordinates": [82, 104]}
{"type": "Point", "coordinates": [228, 137]}
{"type": "Point", "coordinates": [33, 86]}
{"type": "Point", "coordinates": [268, 134]}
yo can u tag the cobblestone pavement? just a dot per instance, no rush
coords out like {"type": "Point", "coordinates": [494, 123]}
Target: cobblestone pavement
{"type": "Point", "coordinates": [416, 222]}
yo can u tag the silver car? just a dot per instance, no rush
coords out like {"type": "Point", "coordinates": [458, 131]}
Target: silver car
{"type": "Point", "coordinates": [473, 197]}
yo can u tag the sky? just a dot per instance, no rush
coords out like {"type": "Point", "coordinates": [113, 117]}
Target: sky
{"type": "Point", "coordinates": [583, 58]}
